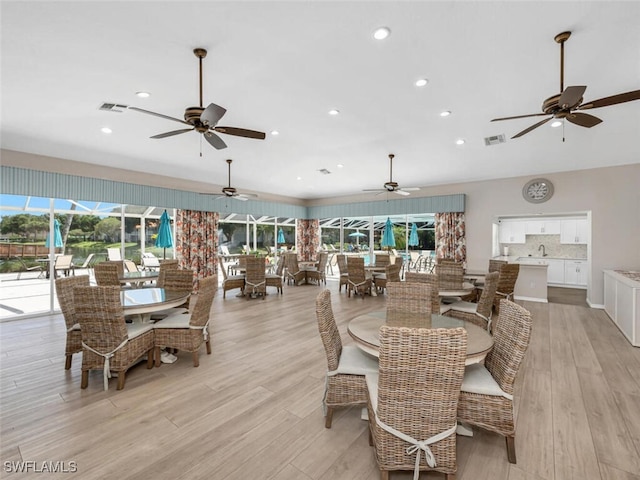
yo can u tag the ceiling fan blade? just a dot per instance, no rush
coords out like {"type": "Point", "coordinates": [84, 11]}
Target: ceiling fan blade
{"type": "Point", "coordinates": [240, 197]}
{"type": "Point", "coordinates": [520, 116]}
{"type": "Point", "coordinates": [212, 114]}
{"type": "Point", "coordinates": [401, 192]}
{"type": "Point", "coordinates": [571, 97]}
{"type": "Point", "coordinates": [375, 190]}
{"type": "Point", "coordinates": [583, 119]}
{"type": "Point", "coordinates": [141, 110]}
{"type": "Point", "coordinates": [248, 195]}
{"type": "Point", "coordinates": [410, 189]}
{"type": "Point", "coordinates": [527, 130]}
{"type": "Point", "coordinates": [171, 134]}
{"type": "Point", "coordinates": [241, 132]}
{"type": "Point", "coordinates": [612, 100]}
{"type": "Point", "coordinates": [214, 140]}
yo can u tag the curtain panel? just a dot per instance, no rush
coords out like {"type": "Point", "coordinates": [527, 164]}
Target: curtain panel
{"type": "Point", "coordinates": [308, 239]}
{"type": "Point", "coordinates": [450, 236]}
{"type": "Point", "coordinates": [197, 243]}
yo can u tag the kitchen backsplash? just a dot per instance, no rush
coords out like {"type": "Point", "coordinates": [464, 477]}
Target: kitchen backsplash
{"type": "Point", "coordinates": [552, 246]}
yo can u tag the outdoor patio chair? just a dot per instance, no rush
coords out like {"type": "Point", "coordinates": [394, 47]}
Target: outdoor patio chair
{"type": "Point", "coordinates": [108, 343]}
{"type": "Point", "coordinates": [188, 331]}
{"type": "Point", "coordinates": [114, 254]}
{"type": "Point", "coordinates": [24, 268]}
{"type": "Point", "coordinates": [63, 263]}
{"type": "Point", "coordinates": [486, 396]}
{"type": "Point", "coordinates": [346, 365]}
{"type": "Point", "coordinates": [412, 401]}
{"type": "Point", "coordinates": [64, 292]}
{"type": "Point", "coordinates": [130, 266]}
{"type": "Point", "coordinates": [150, 261]}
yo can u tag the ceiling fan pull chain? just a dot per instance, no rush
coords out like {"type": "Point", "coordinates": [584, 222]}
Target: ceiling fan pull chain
{"type": "Point", "coordinates": [201, 145]}
{"type": "Point", "coordinates": [563, 124]}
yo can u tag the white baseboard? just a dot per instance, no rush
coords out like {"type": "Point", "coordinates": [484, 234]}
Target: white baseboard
{"type": "Point", "coordinates": [532, 299]}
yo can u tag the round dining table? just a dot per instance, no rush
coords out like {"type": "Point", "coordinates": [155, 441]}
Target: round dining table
{"type": "Point", "coordinates": [137, 279]}
{"type": "Point", "coordinates": [145, 301]}
{"type": "Point", "coordinates": [364, 331]}
{"type": "Point", "coordinates": [467, 288]}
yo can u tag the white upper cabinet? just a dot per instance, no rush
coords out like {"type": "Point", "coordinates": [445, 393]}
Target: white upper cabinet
{"type": "Point", "coordinates": [512, 231]}
{"type": "Point", "coordinates": [574, 230]}
{"type": "Point", "coordinates": [542, 227]}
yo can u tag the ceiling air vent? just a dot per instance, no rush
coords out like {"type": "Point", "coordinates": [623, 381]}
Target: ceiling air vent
{"type": "Point", "coordinates": [112, 107]}
{"type": "Point", "coordinates": [324, 171]}
{"type": "Point", "coordinates": [496, 139]}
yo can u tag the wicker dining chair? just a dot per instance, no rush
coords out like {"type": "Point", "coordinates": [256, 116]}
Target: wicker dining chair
{"type": "Point", "coordinates": [341, 260]}
{"type": "Point", "coordinates": [486, 397]}
{"type": "Point", "coordinates": [254, 281]}
{"type": "Point", "coordinates": [450, 275]}
{"type": "Point", "coordinates": [430, 279]}
{"type": "Point", "coordinates": [164, 266]}
{"type": "Point", "coordinates": [275, 279]}
{"type": "Point", "coordinates": [64, 292]}
{"type": "Point", "coordinates": [108, 273]}
{"type": "Point", "coordinates": [408, 298]}
{"type": "Point", "coordinates": [179, 279]}
{"type": "Point", "coordinates": [496, 265]}
{"type": "Point", "coordinates": [358, 280]}
{"type": "Point", "coordinates": [319, 273]}
{"type": "Point", "coordinates": [108, 343]}
{"type": "Point", "coordinates": [294, 274]}
{"type": "Point", "coordinates": [188, 331]}
{"type": "Point", "coordinates": [382, 259]}
{"type": "Point", "coordinates": [391, 274]}
{"type": "Point", "coordinates": [506, 283]}
{"type": "Point", "coordinates": [346, 365]}
{"type": "Point", "coordinates": [412, 402]}
{"type": "Point", "coordinates": [230, 282]}
{"type": "Point", "coordinates": [477, 313]}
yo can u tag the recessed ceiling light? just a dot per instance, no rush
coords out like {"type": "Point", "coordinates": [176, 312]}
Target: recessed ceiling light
{"type": "Point", "coordinates": [381, 33]}
{"type": "Point", "coordinates": [143, 94]}
{"type": "Point", "coordinates": [334, 112]}
{"type": "Point", "coordinates": [339, 165]}
{"type": "Point", "coordinates": [460, 141]}
{"type": "Point", "coordinates": [555, 124]}
{"type": "Point", "coordinates": [445, 113]}
{"type": "Point", "coordinates": [275, 132]}
{"type": "Point", "coordinates": [298, 178]}
{"type": "Point", "coordinates": [422, 82]}
{"type": "Point", "coordinates": [106, 130]}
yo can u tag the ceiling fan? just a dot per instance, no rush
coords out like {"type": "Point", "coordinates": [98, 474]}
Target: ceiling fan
{"type": "Point", "coordinates": [231, 192]}
{"type": "Point", "coordinates": [392, 186]}
{"type": "Point", "coordinates": [204, 120]}
{"type": "Point", "coordinates": [568, 104]}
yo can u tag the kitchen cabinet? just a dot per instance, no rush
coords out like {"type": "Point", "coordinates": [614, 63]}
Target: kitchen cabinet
{"type": "Point", "coordinates": [512, 231]}
{"type": "Point", "coordinates": [555, 271]}
{"type": "Point", "coordinates": [574, 230]}
{"type": "Point", "coordinates": [622, 302]}
{"type": "Point", "coordinates": [575, 272]}
{"type": "Point", "coordinates": [543, 227]}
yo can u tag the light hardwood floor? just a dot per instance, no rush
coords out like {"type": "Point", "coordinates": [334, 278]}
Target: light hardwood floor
{"type": "Point", "coordinates": [252, 410]}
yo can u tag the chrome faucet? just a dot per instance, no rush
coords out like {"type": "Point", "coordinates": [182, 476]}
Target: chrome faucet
{"type": "Point", "coordinates": [541, 247]}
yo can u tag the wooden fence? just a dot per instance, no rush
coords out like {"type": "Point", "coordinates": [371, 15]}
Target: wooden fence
{"type": "Point", "coordinates": [8, 250]}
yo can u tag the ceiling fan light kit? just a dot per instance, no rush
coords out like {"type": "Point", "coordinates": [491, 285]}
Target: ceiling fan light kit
{"type": "Point", "coordinates": [568, 103]}
{"type": "Point", "coordinates": [203, 120]}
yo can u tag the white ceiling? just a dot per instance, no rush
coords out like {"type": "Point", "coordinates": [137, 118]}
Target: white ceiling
{"type": "Point", "coordinates": [283, 65]}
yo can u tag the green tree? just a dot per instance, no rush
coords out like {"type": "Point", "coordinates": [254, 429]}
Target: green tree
{"type": "Point", "coordinates": [108, 229]}
{"type": "Point", "coordinates": [227, 230]}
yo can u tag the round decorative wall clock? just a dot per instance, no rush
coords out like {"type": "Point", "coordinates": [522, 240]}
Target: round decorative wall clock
{"type": "Point", "coordinates": [537, 190]}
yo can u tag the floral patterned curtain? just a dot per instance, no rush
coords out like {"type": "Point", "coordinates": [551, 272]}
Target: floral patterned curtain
{"type": "Point", "coordinates": [197, 242]}
{"type": "Point", "coordinates": [308, 239]}
{"type": "Point", "coordinates": [450, 236]}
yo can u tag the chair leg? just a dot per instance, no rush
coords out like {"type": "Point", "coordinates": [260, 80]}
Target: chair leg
{"type": "Point", "coordinates": [196, 359]}
{"type": "Point", "coordinates": [67, 361]}
{"type": "Point", "coordinates": [121, 376]}
{"type": "Point", "coordinates": [208, 344]}
{"type": "Point", "coordinates": [384, 474]}
{"type": "Point", "coordinates": [450, 476]}
{"type": "Point", "coordinates": [511, 448]}
{"type": "Point", "coordinates": [85, 379]}
{"type": "Point", "coordinates": [150, 357]}
{"type": "Point", "coordinates": [156, 354]}
{"type": "Point", "coordinates": [328, 418]}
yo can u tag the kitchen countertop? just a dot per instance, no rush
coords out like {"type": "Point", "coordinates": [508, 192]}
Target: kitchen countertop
{"type": "Point", "coordinates": [532, 260]}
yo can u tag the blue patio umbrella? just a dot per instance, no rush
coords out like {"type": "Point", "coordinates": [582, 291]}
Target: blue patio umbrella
{"type": "Point", "coordinates": [164, 239]}
{"type": "Point", "coordinates": [388, 238]}
{"type": "Point", "coordinates": [57, 236]}
{"type": "Point", "coordinates": [281, 236]}
{"type": "Point", "coordinates": [413, 236]}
